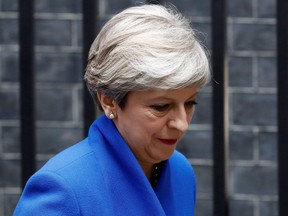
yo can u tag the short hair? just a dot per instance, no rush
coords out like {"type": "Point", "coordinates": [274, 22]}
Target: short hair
{"type": "Point", "coordinates": [145, 47]}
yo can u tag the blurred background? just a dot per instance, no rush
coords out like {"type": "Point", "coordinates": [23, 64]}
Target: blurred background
{"type": "Point", "coordinates": [252, 90]}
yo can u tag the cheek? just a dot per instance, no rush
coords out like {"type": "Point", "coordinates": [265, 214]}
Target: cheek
{"type": "Point", "coordinates": [157, 127]}
{"type": "Point", "coordinates": [190, 116]}
{"type": "Point", "coordinates": [144, 127]}
{"type": "Point", "coordinates": [149, 127]}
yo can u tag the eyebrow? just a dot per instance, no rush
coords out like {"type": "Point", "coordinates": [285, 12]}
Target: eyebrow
{"type": "Point", "coordinates": [194, 95]}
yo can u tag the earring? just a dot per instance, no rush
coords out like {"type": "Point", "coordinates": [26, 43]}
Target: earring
{"type": "Point", "coordinates": [111, 116]}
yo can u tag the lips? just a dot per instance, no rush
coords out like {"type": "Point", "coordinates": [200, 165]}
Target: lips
{"type": "Point", "coordinates": [168, 141]}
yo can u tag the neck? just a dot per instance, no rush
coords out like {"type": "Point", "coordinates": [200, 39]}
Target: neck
{"type": "Point", "coordinates": [148, 170]}
{"type": "Point", "coordinates": [152, 172]}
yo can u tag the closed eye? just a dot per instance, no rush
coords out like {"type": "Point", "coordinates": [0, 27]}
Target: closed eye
{"type": "Point", "coordinates": [190, 104]}
{"type": "Point", "coordinates": [160, 107]}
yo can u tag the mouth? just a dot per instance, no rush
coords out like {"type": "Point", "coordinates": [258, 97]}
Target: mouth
{"type": "Point", "coordinates": [168, 141]}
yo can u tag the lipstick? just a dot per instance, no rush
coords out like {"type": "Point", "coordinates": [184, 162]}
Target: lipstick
{"type": "Point", "coordinates": [168, 141]}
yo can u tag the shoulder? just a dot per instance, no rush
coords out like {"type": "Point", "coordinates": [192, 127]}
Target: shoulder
{"type": "Point", "coordinates": [181, 166]}
{"type": "Point", "coordinates": [68, 157]}
{"type": "Point", "coordinates": [58, 187]}
{"type": "Point", "coordinates": [184, 177]}
{"type": "Point", "coordinates": [50, 195]}
{"type": "Point", "coordinates": [179, 160]}
{"type": "Point", "coordinates": [76, 164]}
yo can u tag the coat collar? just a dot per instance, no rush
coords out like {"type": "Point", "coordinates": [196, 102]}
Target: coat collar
{"type": "Point", "coordinates": [123, 177]}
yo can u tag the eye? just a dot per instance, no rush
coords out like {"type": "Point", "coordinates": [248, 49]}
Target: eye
{"type": "Point", "coordinates": [160, 107]}
{"type": "Point", "coordinates": [190, 104]}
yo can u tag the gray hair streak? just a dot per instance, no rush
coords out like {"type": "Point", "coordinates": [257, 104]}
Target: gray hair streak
{"type": "Point", "coordinates": [145, 47]}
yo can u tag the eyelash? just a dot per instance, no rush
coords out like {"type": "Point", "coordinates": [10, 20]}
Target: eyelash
{"type": "Point", "coordinates": [164, 107]}
{"type": "Point", "coordinates": [160, 107]}
{"type": "Point", "coordinates": [191, 103]}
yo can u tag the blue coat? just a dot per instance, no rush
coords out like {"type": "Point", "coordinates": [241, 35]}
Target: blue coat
{"type": "Point", "coordinates": [100, 176]}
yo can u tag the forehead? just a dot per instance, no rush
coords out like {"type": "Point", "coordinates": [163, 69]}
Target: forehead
{"type": "Point", "coordinates": [173, 94]}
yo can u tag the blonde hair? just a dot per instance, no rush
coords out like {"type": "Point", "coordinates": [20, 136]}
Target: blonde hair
{"type": "Point", "coordinates": [145, 47]}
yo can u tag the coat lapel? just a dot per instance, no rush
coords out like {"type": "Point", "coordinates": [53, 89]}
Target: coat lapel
{"type": "Point", "coordinates": [129, 191]}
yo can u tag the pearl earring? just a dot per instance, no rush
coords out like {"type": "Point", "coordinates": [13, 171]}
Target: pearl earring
{"type": "Point", "coordinates": [111, 116]}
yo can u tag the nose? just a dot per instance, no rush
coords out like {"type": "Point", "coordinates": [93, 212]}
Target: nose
{"type": "Point", "coordinates": [179, 120]}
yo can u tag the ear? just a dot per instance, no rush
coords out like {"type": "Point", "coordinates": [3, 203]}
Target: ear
{"type": "Point", "coordinates": [108, 104]}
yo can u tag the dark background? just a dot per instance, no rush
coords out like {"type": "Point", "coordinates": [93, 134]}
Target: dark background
{"type": "Point", "coordinates": [251, 39]}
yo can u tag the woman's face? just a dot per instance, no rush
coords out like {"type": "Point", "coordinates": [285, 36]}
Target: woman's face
{"type": "Point", "coordinates": [152, 122]}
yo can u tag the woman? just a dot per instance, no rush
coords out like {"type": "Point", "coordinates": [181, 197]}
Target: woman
{"type": "Point", "coordinates": [144, 71]}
